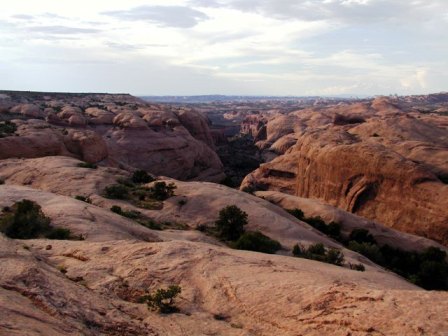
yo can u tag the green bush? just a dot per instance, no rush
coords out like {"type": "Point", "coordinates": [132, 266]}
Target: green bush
{"type": "Point", "coordinates": [150, 224]}
{"type": "Point", "coordinates": [116, 191]}
{"type": "Point", "coordinates": [316, 222]}
{"type": "Point", "coordinates": [163, 300]}
{"type": "Point", "coordinates": [161, 191]}
{"type": "Point", "coordinates": [87, 165]}
{"type": "Point", "coordinates": [297, 213]}
{"type": "Point", "coordinates": [258, 242]}
{"type": "Point", "coordinates": [25, 220]}
{"type": "Point", "coordinates": [371, 251]}
{"type": "Point", "coordinates": [320, 253]}
{"type": "Point", "coordinates": [59, 234]}
{"type": "Point", "coordinates": [83, 199]}
{"type": "Point", "coordinates": [7, 128]}
{"type": "Point", "coordinates": [317, 249]}
{"type": "Point", "coordinates": [335, 257]}
{"type": "Point", "coordinates": [357, 267]}
{"type": "Point", "coordinates": [231, 221]}
{"type": "Point", "coordinates": [334, 231]}
{"type": "Point", "coordinates": [129, 214]}
{"type": "Point", "coordinates": [362, 236]}
{"type": "Point", "coordinates": [116, 209]}
{"type": "Point", "coordinates": [141, 176]}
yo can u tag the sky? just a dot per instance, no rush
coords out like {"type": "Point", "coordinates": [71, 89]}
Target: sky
{"type": "Point", "coordinates": [232, 47]}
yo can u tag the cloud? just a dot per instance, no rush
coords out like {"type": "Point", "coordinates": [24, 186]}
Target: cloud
{"type": "Point", "coordinates": [61, 30]}
{"type": "Point", "coordinates": [23, 17]}
{"type": "Point", "coordinates": [166, 16]}
{"type": "Point", "coordinates": [349, 11]}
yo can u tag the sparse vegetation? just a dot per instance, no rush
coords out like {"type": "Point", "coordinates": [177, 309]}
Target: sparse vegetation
{"type": "Point", "coordinates": [357, 267]}
{"type": "Point", "coordinates": [83, 199]}
{"type": "Point", "coordinates": [332, 230]}
{"type": "Point", "coordinates": [132, 214]}
{"type": "Point", "coordinates": [361, 236]}
{"type": "Point", "coordinates": [25, 220]}
{"type": "Point", "coordinates": [163, 300]}
{"type": "Point", "coordinates": [320, 253]}
{"type": "Point", "coordinates": [141, 176]}
{"type": "Point", "coordinates": [427, 269]}
{"type": "Point", "coordinates": [116, 191]}
{"type": "Point", "coordinates": [162, 191]}
{"type": "Point", "coordinates": [258, 242]}
{"type": "Point", "coordinates": [297, 213]}
{"type": "Point", "coordinates": [87, 165]}
{"type": "Point", "coordinates": [230, 224]}
{"type": "Point", "coordinates": [7, 128]}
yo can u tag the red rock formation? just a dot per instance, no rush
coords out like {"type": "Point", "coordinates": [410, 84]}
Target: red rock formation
{"type": "Point", "coordinates": [370, 168]}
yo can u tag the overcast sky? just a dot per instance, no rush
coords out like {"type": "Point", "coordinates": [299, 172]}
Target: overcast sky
{"type": "Point", "coordinates": [244, 47]}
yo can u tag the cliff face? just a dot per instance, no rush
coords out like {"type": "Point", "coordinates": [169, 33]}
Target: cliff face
{"type": "Point", "coordinates": [116, 130]}
{"type": "Point", "coordinates": [379, 163]}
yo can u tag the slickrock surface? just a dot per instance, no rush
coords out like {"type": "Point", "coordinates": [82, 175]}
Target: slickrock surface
{"type": "Point", "coordinates": [288, 296]}
{"type": "Point", "coordinates": [372, 159]}
{"type": "Point", "coordinates": [114, 130]}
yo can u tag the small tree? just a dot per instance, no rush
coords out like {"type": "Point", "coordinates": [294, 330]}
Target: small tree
{"type": "Point", "coordinates": [297, 213]}
{"type": "Point", "coordinates": [258, 242]}
{"type": "Point", "coordinates": [116, 191]}
{"type": "Point", "coordinates": [362, 236]}
{"type": "Point", "coordinates": [163, 299]}
{"type": "Point", "coordinates": [25, 220]}
{"type": "Point", "coordinates": [141, 176]}
{"type": "Point", "coordinates": [230, 223]}
{"type": "Point", "coordinates": [161, 191]}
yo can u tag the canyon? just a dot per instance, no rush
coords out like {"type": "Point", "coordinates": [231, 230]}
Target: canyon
{"type": "Point", "coordinates": [377, 164]}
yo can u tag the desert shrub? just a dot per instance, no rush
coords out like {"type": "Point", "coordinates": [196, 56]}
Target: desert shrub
{"type": "Point", "coordinates": [59, 234]}
{"type": "Point", "coordinates": [258, 242]}
{"type": "Point", "coordinates": [228, 182]}
{"type": "Point", "coordinates": [317, 249]}
{"type": "Point", "coordinates": [83, 198]}
{"type": "Point", "coordinates": [443, 178]}
{"type": "Point", "coordinates": [182, 202]}
{"type": "Point", "coordinates": [249, 190]}
{"type": "Point", "coordinates": [371, 251]}
{"type": "Point", "coordinates": [116, 191]}
{"type": "Point", "coordinates": [7, 128]}
{"type": "Point", "coordinates": [201, 228]}
{"type": "Point", "coordinates": [317, 222]}
{"type": "Point", "coordinates": [87, 165]}
{"type": "Point", "coordinates": [433, 275]}
{"type": "Point", "coordinates": [163, 299]}
{"type": "Point", "coordinates": [25, 220]}
{"type": "Point", "coordinates": [162, 191]}
{"type": "Point", "coordinates": [320, 253]}
{"type": "Point", "coordinates": [361, 236]}
{"type": "Point", "coordinates": [150, 224]}
{"type": "Point", "coordinates": [433, 254]}
{"type": "Point", "coordinates": [334, 231]}
{"type": "Point", "coordinates": [340, 119]}
{"type": "Point", "coordinates": [132, 214]}
{"type": "Point", "coordinates": [334, 256]}
{"type": "Point", "coordinates": [297, 250]}
{"type": "Point", "coordinates": [2, 181]}
{"type": "Point", "coordinates": [357, 267]}
{"type": "Point", "coordinates": [126, 182]}
{"type": "Point", "coordinates": [141, 176]}
{"type": "Point", "coordinates": [231, 221]}
{"type": "Point", "coordinates": [427, 269]}
{"type": "Point", "coordinates": [298, 213]}
{"type": "Point", "coordinates": [116, 209]}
